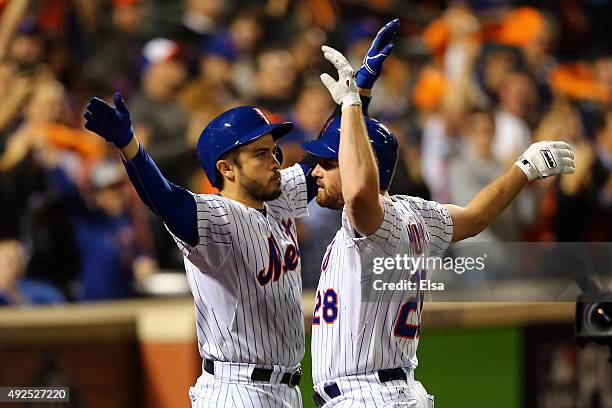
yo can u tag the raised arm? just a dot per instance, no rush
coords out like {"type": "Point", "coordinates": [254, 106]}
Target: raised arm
{"type": "Point", "coordinates": [358, 170]}
{"type": "Point", "coordinates": [366, 76]}
{"type": "Point", "coordinates": [173, 204]}
{"type": "Point", "coordinates": [540, 160]}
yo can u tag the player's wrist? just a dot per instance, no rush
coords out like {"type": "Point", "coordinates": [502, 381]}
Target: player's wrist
{"type": "Point", "coordinates": [131, 149]}
{"type": "Point", "coordinates": [125, 139]}
{"type": "Point", "coordinates": [351, 99]}
{"type": "Point", "coordinates": [528, 168]}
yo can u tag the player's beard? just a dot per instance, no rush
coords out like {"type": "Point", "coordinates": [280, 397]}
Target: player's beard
{"type": "Point", "coordinates": [268, 191]}
{"type": "Point", "coordinates": [330, 197]}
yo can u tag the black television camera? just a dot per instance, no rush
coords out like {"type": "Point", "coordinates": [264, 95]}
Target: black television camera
{"type": "Point", "coordinates": [594, 319]}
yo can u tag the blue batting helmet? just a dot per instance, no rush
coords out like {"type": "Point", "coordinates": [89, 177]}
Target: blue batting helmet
{"type": "Point", "coordinates": [382, 139]}
{"type": "Point", "coordinates": [233, 128]}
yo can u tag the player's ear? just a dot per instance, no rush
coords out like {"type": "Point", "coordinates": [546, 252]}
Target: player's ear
{"type": "Point", "coordinates": [226, 169]}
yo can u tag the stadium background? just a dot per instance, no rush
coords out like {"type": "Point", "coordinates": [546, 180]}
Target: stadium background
{"type": "Point", "coordinates": [469, 85]}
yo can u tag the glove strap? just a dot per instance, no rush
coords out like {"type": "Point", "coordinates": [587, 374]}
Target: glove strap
{"type": "Point", "coordinates": [350, 100]}
{"type": "Point", "coordinates": [529, 170]}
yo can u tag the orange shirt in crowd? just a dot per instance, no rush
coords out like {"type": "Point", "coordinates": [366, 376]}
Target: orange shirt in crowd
{"type": "Point", "coordinates": [578, 80]}
{"type": "Point", "coordinates": [64, 137]}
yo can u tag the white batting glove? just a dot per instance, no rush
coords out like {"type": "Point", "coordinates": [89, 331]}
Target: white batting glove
{"type": "Point", "coordinates": [344, 91]}
{"type": "Point", "coordinates": [545, 159]}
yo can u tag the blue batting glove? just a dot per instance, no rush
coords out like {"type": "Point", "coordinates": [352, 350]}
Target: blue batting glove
{"type": "Point", "coordinates": [380, 49]}
{"type": "Point", "coordinates": [113, 124]}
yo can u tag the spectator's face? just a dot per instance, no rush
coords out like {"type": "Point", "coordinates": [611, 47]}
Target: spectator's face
{"type": "Point", "coordinates": [11, 263]}
{"type": "Point", "coordinates": [480, 131]}
{"type": "Point", "coordinates": [245, 32]}
{"type": "Point", "coordinates": [216, 70]}
{"type": "Point", "coordinates": [497, 66]}
{"type": "Point", "coordinates": [518, 95]}
{"type": "Point", "coordinates": [306, 49]}
{"type": "Point", "coordinates": [110, 199]}
{"type": "Point", "coordinates": [163, 79]}
{"type": "Point", "coordinates": [47, 103]}
{"type": "Point", "coordinates": [255, 170]}
{"type": "Point", "coordinates": [560, 123]}
{"type": "Point", "coordinates": [127, 18]}
{"type": "Point", "coordinates": [27, 51]}
{"type": "Point", "coordinates": [313, 107]}
{"type": "Point", "coordinates": [461, 23]}
{"type": "Point", "coordinates": [329, 193]}
{"type": "Point", "coordinates": [275, 74]}
{"type": "Point", "coordinates": [209, 8]}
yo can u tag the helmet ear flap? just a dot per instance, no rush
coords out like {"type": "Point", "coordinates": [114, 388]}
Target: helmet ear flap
{"type": "Point", "coordinates": [277, 152]}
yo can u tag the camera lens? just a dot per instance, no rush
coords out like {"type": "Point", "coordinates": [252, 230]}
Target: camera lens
{"type": "Point", "coordinates": [601, 316]}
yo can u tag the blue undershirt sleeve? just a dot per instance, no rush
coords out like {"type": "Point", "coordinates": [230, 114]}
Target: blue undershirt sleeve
{"type": "Point", "coordinates": [173, 204]}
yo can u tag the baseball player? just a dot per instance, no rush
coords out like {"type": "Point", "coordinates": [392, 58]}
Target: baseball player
{"type": "Point", "coordinates": [240, 248]}
{"type": "Point", "coordinates": [364, 350]}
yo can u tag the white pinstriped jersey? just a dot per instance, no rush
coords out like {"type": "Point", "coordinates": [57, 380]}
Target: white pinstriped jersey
{"type": "Point", "coordinates": [245, 278]}
{"type": "Point", "coordinates": [353, 336]}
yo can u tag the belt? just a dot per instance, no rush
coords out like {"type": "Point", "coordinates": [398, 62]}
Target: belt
{"type": "Point", "coordinates": [332, 390]}
{"type": "Point", "coordinates": [263, 374]}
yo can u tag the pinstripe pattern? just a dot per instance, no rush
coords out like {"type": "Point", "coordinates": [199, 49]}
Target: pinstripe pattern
{"type": "Point", "coordinates": [361, 340]}
{"type": "Point", "coordinates": [435, 216]}
{"type": "Point", "coordinates": [239, 319]}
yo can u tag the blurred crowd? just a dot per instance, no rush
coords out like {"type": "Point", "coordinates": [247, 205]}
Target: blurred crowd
{"type": "Point", "coordinates": [469, 86]}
